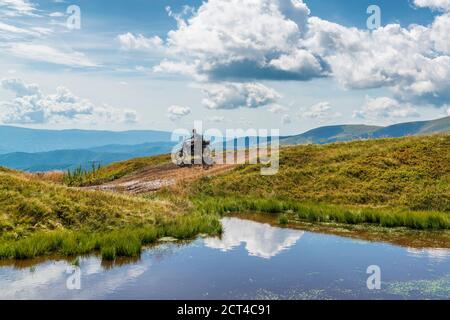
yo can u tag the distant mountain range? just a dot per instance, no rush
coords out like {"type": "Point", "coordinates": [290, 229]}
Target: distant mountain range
{"type": "Point", "coordinates": [44, 150]}
{"type": "Point", "coordinates": [14, 139]}
{"type": "Point", "coordinates": [344, 133]}
{"type": "Point", "coordinates": [71, 159]}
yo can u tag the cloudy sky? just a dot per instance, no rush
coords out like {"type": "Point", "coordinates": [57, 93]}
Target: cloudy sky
{"type": "Point", "coordinates": [287, 64]}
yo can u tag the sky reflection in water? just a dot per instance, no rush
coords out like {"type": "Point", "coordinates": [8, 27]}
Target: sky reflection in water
{"type": "Point", "coordinates": [250, 261]}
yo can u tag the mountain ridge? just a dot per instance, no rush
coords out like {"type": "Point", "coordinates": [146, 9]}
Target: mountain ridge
{"type": "Point", "coordinates": [17, 139]}
{"type": "Point", "coordinates": [73, 158]}
{"type": "Point", "coordinates": [345, 133]}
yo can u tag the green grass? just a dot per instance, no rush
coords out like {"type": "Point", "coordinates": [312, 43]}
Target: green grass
{"type": "Point", "coordinates": [411, 173]}
{"type": "Point", "coordinates": [112, 172]}
{"type": "Point", "coordinates": [28, 205]}
{"type": "Point", "coordinates": [390, 183]}
{"type": "Point", "coordinates": [126, 242]}
{"type": "Point", "coordinates": [79, 176]}
{"type": "Point", "coordinates": [39, 218]}
{"type": "Point", "coordinates": [283, 219]}
{"type": "Point", "coordinates": [315, 212]}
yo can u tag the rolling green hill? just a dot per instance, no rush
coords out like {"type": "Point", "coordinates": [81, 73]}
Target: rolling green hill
{"type": "Point", "coordinates": [344, 133]}
{"type": "Point", "coordinates": [412, 173]}
{"type": "Point", "coordinates": [388, 182]}
{"type": "Point", "coordinates": [39, 218]}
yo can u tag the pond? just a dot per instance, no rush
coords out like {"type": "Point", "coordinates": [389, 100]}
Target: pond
{"type": "Point", "coordinates": [252, 260]}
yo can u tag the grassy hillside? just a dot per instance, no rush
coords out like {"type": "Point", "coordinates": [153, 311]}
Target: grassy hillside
{"type": "Point", "coordinates": [39, 218]}
{"type": "Point", "coordinates": [113, 171]}
{"type": "Point", "coordinates": [410, 172]}
{"type": "Point", "coordinates": [392, 182]}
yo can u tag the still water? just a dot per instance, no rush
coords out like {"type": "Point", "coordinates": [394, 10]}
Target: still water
{"type": "Point", "coordinates": [251, 260]}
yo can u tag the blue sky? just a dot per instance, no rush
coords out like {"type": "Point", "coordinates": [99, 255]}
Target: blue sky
{"type": "Point", "coordinates": [139, 65]}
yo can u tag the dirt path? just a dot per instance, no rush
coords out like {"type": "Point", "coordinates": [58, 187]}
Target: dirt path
{"type": "Point", "coordinates": [156, 177]}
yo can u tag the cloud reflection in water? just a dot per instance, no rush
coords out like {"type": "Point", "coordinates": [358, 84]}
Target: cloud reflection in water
{"type": "Point", "coordinates": [261, 240]}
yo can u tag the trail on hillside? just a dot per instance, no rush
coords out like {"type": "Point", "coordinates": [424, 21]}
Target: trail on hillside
{"type": "Point", "coordinates": [154, 178]}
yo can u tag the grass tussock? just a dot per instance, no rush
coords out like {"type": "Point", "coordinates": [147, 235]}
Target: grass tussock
{"type": "Point", "coordinates": [79, 175]}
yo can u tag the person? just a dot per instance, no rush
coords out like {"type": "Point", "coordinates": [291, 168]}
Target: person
{"type": "Point", "coordinates": [196, 140]}
{"type": "Point", "coordinates": [196, 137]}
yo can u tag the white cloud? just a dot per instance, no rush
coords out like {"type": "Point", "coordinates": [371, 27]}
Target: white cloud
{"type": "Point", "coordinates": [57, 14]}
{"type": "Point", "coordinates": [443, 5]}
{"type": "Point", "coordinates": [128, 41]}
{"type": "Point", "coordinates": [409, 60]}
{"type": "Point", "coordinates": [13, 29]}
{"type": "Point", "coordinates": [40, 52]}
{"type": "Point", "coordinates": [15, 8]}
{"type": "Point", "coordinates": [20, 88]}
{"type": "Point", "coordinates": [300, 61]}
{"type": "Point", "coordinates": [177, 112]}
{"type": "Point", "coordinates": [238, 95]}
{"type": "Point", "coordinates": [32, 106]}
{"type": "Point", "coordinates": [385, 107]}
{"type": "Point", "coordinates": [178, 67]}
{"type": "Point", "coordinates": [276, 108]}
{"type": "Point", "coordinates": [278, 40]}
{"type": "Point", "coordinates": [440, 34]}
{"type": "Point", "coordinates": [317, 111]}
{"type": "Point", "coordinates": [448, 110]}
{"type": "Point", "coordinates": [245, 39]}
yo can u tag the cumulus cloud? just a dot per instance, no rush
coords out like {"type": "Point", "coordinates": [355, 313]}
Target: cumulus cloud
{"type": "Point", "coordinates": [231, 95]}
{"type": "Point", "coordinates": [408, 60]}
{"type": "Point", "coordinates": [440, 34]}
{"type": "Point", "coordinates": [31, 106]}
{"type": "Point", "coordinates": [179, 67]}
{"type": "Point", "coordinates": [443, 5]}
{"type": "Point", "coordinates": [177, 112]}
{"type": "Point", "coordinates": [385, 107]}
{"type": "Point", "coordinates": [20, 88]}
{"type": "Point", "coordinates": [128, 41]}
{"type": "Point", "coordinates": [319, 110]}
{"type": "Point", "coordinates": [236, 41]}
{"type": "Point", "coordinates": [245, 40]}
